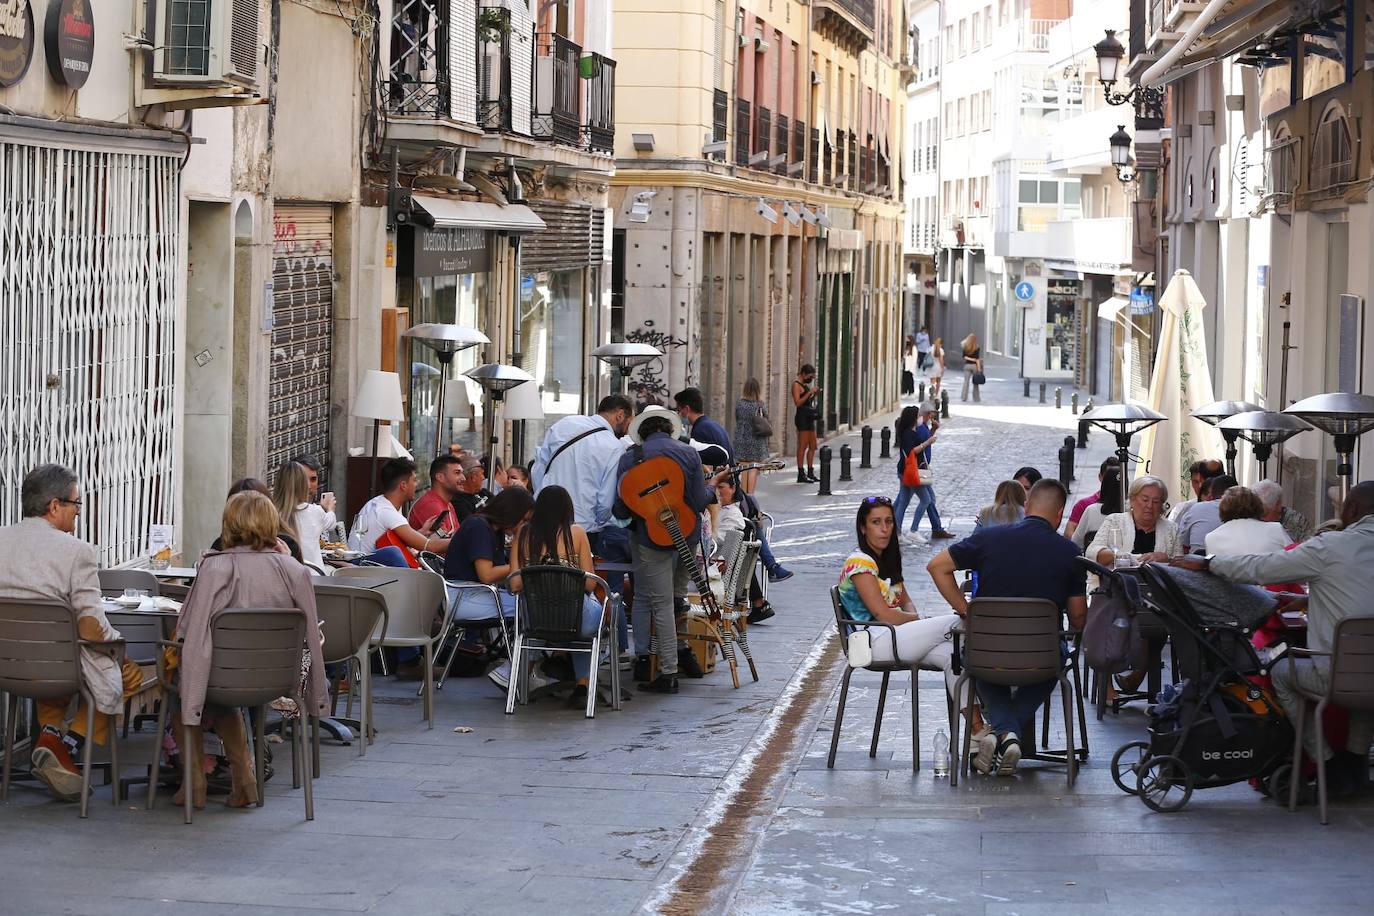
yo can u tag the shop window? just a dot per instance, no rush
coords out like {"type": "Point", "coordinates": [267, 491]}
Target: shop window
{"type": "Point", "coordinates": [446, 299]}
{"type": "Point", "coordinates": [1333, 152]}
{"type": "Point", "coordinates": [552, 306]}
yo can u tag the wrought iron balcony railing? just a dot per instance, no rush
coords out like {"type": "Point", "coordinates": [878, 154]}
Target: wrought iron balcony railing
{"type": "Point", "coordinates": [601, 105]}
{"type": "Point", "coordinates": [782, 144]}
{"type": "Point", "coordinates": [743, 122]}
{"type": "Point", "coordinates": [557, 90]}
{"type": "Point", "coordinates": [417, 81]}
{"type": "Point", "coordinates": [494, 76]}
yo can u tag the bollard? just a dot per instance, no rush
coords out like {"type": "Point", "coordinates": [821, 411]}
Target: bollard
{"type": "Point", "coordinates": [1073, 403]}
{"type": "Point", "coordinates": [886, 440]}
{"type": "Point", "coordinates": [825, 456]}
{"type": "Point", "coordinates": [922, 396]}
{"type": "Point", "coordinates": [1082, 433]}
{"type": "Point", "coordinates": [866, 448]}
{"type": "Point", "coordinates": [1065, 465]}
{"type": "Point", "coordinates": [1068, 448]}
{"type": "Point", "coordinates": [944, 405]}
{"type": "Point", "coordinates": [1042, 392]}
{"type": "Point", "coordinates": [1058, 397]}
{"type": "Point", "coordinates": [1089, 407]}
{"type": "Point", "coordinates": [1025, 387]}
{"type": "Point", "coordinates": [846, 457]}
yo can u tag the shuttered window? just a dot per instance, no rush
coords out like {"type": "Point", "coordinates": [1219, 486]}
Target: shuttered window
{"type": "Point", "coordinates": [572, 238]}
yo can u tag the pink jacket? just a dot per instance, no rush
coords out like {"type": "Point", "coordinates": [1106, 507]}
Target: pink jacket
{"type": "Point", "coordinates": [241, 577]}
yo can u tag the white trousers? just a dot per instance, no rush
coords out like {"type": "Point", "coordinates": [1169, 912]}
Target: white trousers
{"type": "Point", "coordinates": [925, 642]}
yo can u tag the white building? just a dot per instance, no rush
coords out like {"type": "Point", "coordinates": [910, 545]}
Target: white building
{"type": "Point", "coordinates": [920, 166]}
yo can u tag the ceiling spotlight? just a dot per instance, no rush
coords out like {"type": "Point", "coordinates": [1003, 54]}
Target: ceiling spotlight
{"type": "Point", "coordinates": [809, 216]}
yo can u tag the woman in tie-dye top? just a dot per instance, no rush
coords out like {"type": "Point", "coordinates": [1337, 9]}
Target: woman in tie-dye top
{"type": "Point", "coordinates": [871, 589]}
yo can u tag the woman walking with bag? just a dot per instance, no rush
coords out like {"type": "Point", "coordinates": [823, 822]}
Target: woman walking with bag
{"type": "Point", "coordinates": [805, 397]}
{"type": "Point", "coordinates": [973, 368]}
{"type": "Point", "coordinates": [753, 429]}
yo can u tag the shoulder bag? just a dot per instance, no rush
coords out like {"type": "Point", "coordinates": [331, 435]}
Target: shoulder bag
{"type": "Point", "coordinates": [762, 426]}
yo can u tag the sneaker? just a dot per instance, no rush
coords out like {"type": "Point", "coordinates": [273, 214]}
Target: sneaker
{"type": "Point", "coordinates": [538, 680]}
{"type": "Point", "coordinates": [687, 664]}
{"type": "Point", "coordinates": [986, 742]}
{"type": "Point", "coordinates": [940, 535]}
{"type": "Point", "coordinates": [761, 613]}
{"type": "Point", "coordinates": [664, 683]}
{"type": "Point", "coordinates": [779, 574]}
{"type": "Point", "coordinates": [1008, 754]}
{"type": "Point", "coordinates": [500, 675]}
{"type": "Point", "coordinates": [643, 666]}
{"type": "Point", "coordinates": [53, 764]}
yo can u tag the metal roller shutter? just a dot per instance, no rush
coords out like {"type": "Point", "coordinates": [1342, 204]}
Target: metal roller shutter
{"type": "Point", "coordinates": [303, 313]}
{"type": "Point", "coordinates": [572, 238]}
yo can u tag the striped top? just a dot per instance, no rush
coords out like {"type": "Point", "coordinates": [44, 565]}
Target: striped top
{"type": "Point", "coordinates": [857, 564]}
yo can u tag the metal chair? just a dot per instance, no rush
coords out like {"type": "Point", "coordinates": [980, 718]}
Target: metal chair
{"type": "Point", "coordinates": [455, 591]}
{"type": "Point", "coordinates": [350, 617]}
{"type": "Point", "coordinates": [1350, 685]}
{"type": "Point", "coordinates": [549, 616]}
{"type": "Point", "coordinates": [431, 561]}
{"type": "Point", "coordinates": [114, 581]}
{"type": "Point", "coordinates": [844, 626]}
{"type": "Point", "coordinates": [256, 658]}
{"type": "Point", "coordinates": [40, 659]}
{"type": "Point", "coordinates": [1015, 642]}
{"type": "Point", "coordinates": [764, 530]}
{"type": "Point", "coordinates": [174, 591]}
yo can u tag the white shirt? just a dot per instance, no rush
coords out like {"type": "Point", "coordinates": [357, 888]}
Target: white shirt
{"type": "Point", "coordinates": [588, 470]}
{"type": "Point", "coordinates": [377, 517]}
{"type": "Point", "coordinates": [1242, 536]}
{"type": "Point", "coordinates": [311, 521]}
{"type": "Point", "coordinates": [1088, 523]}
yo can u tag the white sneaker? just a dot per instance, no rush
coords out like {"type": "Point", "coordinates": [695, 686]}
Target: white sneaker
{"type": "Point", "coordinates": [986, 742]}
{"type": "Point", "coordinates": [538, 679]}
{"type": "Point", "coordinates": [500, 675]}
{"type": "Point", "coordinates": [1008, 754]}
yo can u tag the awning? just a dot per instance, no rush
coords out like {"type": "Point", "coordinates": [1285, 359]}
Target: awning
{"type": "Point", "coordinates": [1109, 309]}
{"type": "Point", "coordinates": [1239, 25]}
{"type": "Point", "coordinates": [845, 239]}
{"type": "Point", "coordinates": [450, 213]}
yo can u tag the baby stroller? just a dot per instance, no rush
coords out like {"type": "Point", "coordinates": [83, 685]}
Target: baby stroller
{"type": "Point", "coordinates": [1214, 727]}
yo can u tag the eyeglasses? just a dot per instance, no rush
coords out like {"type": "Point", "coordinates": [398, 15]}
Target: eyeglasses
{"type": "Point", "coordinates": [70, 502]}
{"type": "Point", "coordinates": [877, 500]}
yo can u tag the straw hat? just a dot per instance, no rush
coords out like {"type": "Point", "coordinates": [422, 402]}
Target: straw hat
{"type": "Point", "coordinates": [670, 415]}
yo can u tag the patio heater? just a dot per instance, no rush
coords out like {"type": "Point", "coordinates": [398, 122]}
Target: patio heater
{"type": "Point", "coordinates": [445, 340]}
{"type": "Point", "coordinates": [1345, 417]}
{"type": "Point", "coordinates": [1263, 429]}
{"type": "Point", "coordinates": [1212, 414]}
{"type": "Point", "coordinates": [624, 357]}
{"type": "Point", "coordinates": [1123, 421]}
{"type": "Point", "coordinates": [496, 379]}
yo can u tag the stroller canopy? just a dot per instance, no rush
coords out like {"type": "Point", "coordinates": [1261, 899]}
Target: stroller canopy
{"type": "Point", "coordinates": [1216, 602]}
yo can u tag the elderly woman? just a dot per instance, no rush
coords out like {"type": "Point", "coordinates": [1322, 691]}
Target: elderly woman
{"type": "Point", "coordinates": [246, 572]}
{"type": "Point", "coordinates": [1243, 529]}
{"type": "Point", "coordinates": [1141, 534]}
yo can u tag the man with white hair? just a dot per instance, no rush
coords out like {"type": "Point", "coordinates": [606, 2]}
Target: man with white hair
{"type": "Point", "coordinates": [1295, 525]}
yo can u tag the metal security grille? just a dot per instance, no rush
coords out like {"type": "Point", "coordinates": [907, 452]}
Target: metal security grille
{"type": "Point", "coordinates": [89, 245]}
{"type": "Point", "coordinates": [302, 315]}
{"type": "Point", "coordinates": [572, 238]}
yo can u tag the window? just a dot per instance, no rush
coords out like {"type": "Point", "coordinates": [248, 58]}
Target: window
{"type": "Point", "coordinates": [1001, 12]}
{"type": "Point", "coordinates": [961, 124]}
{"type": "Point", "coordinates": [1281, 167]}
{"type": "Point", "coordinates": [1027, 193]}
{"type": "Point", "coordinates": [987, 25]}
{"type": "Point", "coordinates": [1072, 193]}
{"type": "Point", "coordinates": [1049, 192]}
{"type": "Point", "coordinates": [949, 120]}
{"type": "Point", "coordinates": [1333, 152]}
{"type": "Point", "coordinates": [949, 41]}
{"type": "Point", "coordinates": [976, 31]}
{"type": "Point", "coordinates": [963, 37]}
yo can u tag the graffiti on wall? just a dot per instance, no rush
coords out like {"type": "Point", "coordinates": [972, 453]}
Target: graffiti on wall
{"type": "Point", "coordinates": [649, 384]}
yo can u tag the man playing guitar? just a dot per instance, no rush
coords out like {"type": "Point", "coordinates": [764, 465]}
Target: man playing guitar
{"type": "Point", "coordinates": [661, 573]}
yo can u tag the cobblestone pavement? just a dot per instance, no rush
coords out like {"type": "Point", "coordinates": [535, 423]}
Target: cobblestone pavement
{"type": "Point", "coordinates": [714, 800]}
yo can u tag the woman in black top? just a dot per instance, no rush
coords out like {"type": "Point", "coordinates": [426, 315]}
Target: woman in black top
{"type": "Point", "coordinates": [806, 398]}
{"type": "Point", "coordinates": [478, 553]}
{"type": "Point", "coordinates": [973, 362]}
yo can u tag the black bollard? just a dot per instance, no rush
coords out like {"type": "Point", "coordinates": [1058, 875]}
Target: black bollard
{"type": "Point", "coordinates": [1082, 433]}
{"type": "Point", "coordinates": [1068, 448]}
{"type": "Point", "coordinates": [825, 456]}
{"type": "Point", "coordinates": [1042, 392]}
{"type": "Point", "coordinates": [1058, 397]}
{"type": "Point", "coordinates": [846, 458]}
{"type": "Point", "coordinates": [1065, 465]}
{"type": "Point", "coordinates": [922, 396]}
{"type": "Point", "coordinates": [1073, 403]}
{"type": "Point", "coordinates": [866, 447]}
{"type": "Point", "coordinates": [886, 440]}
{"type": "Point", "coordinates": [1025, 387]}
{"type": "Point", "coordinates": [944, 405]}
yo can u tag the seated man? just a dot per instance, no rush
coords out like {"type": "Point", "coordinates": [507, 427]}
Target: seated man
{"type": "Point", "coordinates": [1026, 560]}
{"type": "Point", "coordinates": [40, 560]}
{"type": "Point", "coordinates": [1339, 569]}
{"type": "Point", "coordinates": [472, 493]}
{"type": "Point", "coordinates": [1204, 516]}
{"type": "Point", "coordinates": [433, 512]}
{"type": "Point", "coordinates": [380, 530]}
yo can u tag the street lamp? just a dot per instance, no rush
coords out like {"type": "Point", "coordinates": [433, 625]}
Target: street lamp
{"type": "Point", "coordinates": [1344, 416]}
{"type": "Point", "coordinates": [1212, 414]}
{"type": "Point", "coordinates": [445, 340]}
{"type": "Point", "coordinates": [1123, 421]}
{"type": "Point", "coordinates": [625, 356]}
{"type": "Point", "coordinates": [1120, 143]}
{"type": "Point", "coordinates": [1109, 53]}
{"type": "Point", "coordinates": [1263, 429]}
{"type": "Point", "coordinates": [496, 379]}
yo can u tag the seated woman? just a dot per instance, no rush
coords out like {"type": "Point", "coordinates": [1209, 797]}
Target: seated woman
{"type": "Point", "coordinates": [550, 538]}
{"type": "Point", "coordinates": [1008, 506]}
{"type": "Point", "coordinates": [1108, 503]}
{"type": "Point", "coordinates": [247, 572]}
{"type": "Point", "coordinates": [478, 553]}
{"type": "Point", "coordinates": [871, 588]}
{"type": "Point", "coordinates": [731, 520]}
{"type": "Point", "coordinates": [1243, 529]}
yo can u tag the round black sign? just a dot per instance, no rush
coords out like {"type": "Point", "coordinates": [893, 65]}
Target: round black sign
{"type": "Point", "coordinates": [16, 40]}
{"type": "Point", "coordinates": [70, 37]}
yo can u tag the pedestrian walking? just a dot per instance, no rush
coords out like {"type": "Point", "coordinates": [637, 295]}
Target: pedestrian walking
{"type": "Point", "coordinates": [937, 367]}
{"type": "Point", "coordinates": [923, 349]}
{"type": "Point", "coordinates": [911, 364]}
{"type": "Point", "coordinates": [753, 429]}
{"type": "Point", "coordinates": [806, 396]}
{"type": "Point", "coordinates": [916, 433]}
{"type": "Point", "coordinates": [973, 368]}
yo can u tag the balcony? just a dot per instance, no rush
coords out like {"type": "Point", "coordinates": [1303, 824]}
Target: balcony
{"type": "Point", "coordinates": [601, 105]}
{"type": "Point", "coordinates": [494, 76]}
{"type": "Point", "coordinates": [1034, 34]}
{"type": "Point", "coordinates": [846, 22]}
{"type": "Point", "coordinates": [557, 90]}
{"type": "Point", "coordinates": [763, 136]}
{"type": "Point", "coordinates": [1090, 245]}
{"type": "Point", "coordinates": [417, 82]}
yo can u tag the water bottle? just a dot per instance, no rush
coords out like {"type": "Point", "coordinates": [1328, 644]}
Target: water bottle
{"type": "Point", "coordinates": [941, 755]}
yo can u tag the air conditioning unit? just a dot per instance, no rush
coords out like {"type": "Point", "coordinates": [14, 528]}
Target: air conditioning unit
{"type": "Point", "coordinates": [202, 42]}
{"type": "Point", "coordinates": [761, 45]}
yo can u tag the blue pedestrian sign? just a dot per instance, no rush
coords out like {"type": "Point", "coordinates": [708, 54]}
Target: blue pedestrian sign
{"type": "Point", "coordinates": [1024, 291]}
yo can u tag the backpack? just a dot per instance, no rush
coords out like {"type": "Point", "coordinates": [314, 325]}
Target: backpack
{"type": "Point", "coordinates": [1111, 637]}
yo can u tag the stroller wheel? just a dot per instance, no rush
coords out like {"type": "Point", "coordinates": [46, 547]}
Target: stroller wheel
{"type": "Point", "coordinates": [1277, 784]}
{"type": "Point", "coordinates": [1126, 765]}
{"type": "Point", "coordinates": [1165, 784]}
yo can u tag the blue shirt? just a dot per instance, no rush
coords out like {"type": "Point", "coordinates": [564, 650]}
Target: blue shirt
{"type": "Point", "coordinates": [1026, 560]}
{"type": "Point", "coordinates": [906, 441]}
{"type": "Point", "coordinates": [704, 429]}
{"type": "Point", "coordinates": [696, 494]}
{"type": "Point", "coordinates": [923, 433]}
{"type": "Point", "coordinates": [588, 469]}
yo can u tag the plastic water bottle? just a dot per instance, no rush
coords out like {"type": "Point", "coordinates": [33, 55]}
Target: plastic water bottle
{"type": "Point", "coordinates": [941, 755]}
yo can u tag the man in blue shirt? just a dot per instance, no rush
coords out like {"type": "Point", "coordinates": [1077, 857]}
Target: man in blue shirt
{"type": "Point", "coordinates": [691, 406]}
{"type": "Point", "coordinates": [1026, 560]}
{"type": "Point", "coordinates": [661, 575]}
{"type": "Point", "coordinates": [582, 455]}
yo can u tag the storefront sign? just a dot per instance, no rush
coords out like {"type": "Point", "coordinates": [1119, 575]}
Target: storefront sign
{"type": "Point", "coordinates": [1142, 301]}
{"type": "Point", "coordinates": [442, 252]}
{"type": "Point", "coordinates": [16, 40]}
{"type": "Point", "coordinates": [70, 38]}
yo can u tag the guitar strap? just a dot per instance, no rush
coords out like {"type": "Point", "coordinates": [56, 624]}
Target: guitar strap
{"type": "Point", "coordinates": [571, 442]}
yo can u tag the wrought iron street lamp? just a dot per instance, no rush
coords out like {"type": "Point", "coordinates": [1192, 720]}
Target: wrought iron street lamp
{"type": "Point", "coordinates": [1343, 416]}
{"type": "Point", "coordinates": [445, 340]}
{"type": "Point", "coordinates": [625, 356]}
{"type": "Point", "coordinates": [1123, 421]}
{"type": "Point", "coordinates": [1263, 429]}
{"type": "Point", "coordinates": [1109, 53]}
{"type": "Point", "coordinates": [1212, 414]}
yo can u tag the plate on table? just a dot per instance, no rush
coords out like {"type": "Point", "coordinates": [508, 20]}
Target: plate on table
{"type": "Point", "coordinates": [343, 554]}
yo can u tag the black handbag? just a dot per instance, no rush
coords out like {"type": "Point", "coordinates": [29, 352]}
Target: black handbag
{"type": "Point", "coordinates": [763, 427]}
{"type": "Point", "coordinates": [979, 378]}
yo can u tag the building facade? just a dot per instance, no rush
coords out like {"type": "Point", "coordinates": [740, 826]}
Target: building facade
{"type": "Point", "coordinates": [758, 211]}
{"type": "Point", "coordinates": [920, 165]}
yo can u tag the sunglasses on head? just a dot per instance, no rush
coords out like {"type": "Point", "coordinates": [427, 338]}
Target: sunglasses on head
{"type": "Point", "coordinates": [877, 500]}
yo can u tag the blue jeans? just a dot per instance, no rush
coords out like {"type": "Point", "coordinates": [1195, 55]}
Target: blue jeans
{"type": "Point", "coordinates": [904, 495]}
{"type": "Point", "coordinates": [1006, 711]}
{"type": "Point", "coordinates": [591, 622]}
{"type": "Point", "coordinates": [925, 505]}
{"type": "Point", "coordinates": [388, 556]}
{"type": "Point", "coordinates": [611, 543]}
{"type": "Point", "coordinates": [477, 604]}
{"type": "Point", "coordinates": [769, 561]}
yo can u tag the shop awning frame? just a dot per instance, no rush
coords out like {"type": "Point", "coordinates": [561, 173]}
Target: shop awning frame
{"type": "Point", "coordinates": [451, 213]}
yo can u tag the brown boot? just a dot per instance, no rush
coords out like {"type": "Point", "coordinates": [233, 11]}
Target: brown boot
{"type": "Point", "coordinates": [243, 792]}
{"type": "Point", "coordinates": [197, 752]}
